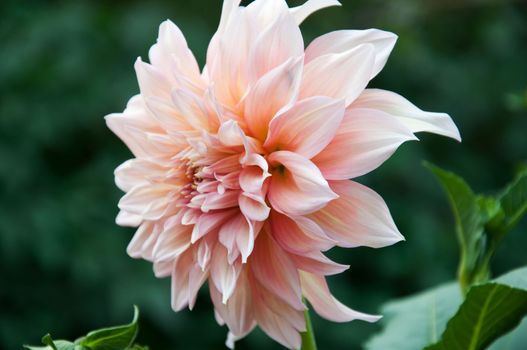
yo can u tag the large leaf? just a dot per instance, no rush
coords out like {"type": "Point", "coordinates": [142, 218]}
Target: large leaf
{"type": "Point", "coordinates": [470, 222]}
{"type": "Point", "coordinates": [488, 312]}
{"type": "Point", "coordinates": [112, 338]}
{"type": "Point", "coordinates": [414, 322]}
{"type": "Point", "coordinates": [513, 201]}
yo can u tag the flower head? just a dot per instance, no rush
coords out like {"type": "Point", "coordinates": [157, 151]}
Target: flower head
{"type": "Point", "coordinates": [240, 170]}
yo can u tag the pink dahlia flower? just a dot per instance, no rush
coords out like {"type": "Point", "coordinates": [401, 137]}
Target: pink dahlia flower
{"type": "Point", "coordinates": [240, 176]}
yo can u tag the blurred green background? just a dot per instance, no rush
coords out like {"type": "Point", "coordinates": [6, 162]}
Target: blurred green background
{"type": "Point", "coordinates": [65, 64]}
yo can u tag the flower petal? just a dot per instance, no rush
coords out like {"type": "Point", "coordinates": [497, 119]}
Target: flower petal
{"type": "Point", "coordinates": [343, 40]}
{"type": "Point", "coordinates": [365, 139]}
{"type": "Point", "coordinates": [297, 187]}
{"type": "Point", "coordinates": [273, 268]}
{"type": "Point", "coordinates": [253, 206]}
{"type": "Point", "coordinates": [275, 45]}
{"type": "Point", "coordinates": [316, 291]}
{"type": "Point", "coordinates": [407, 113]}
{"type": "Point", "coordinates": [300, 13]}
{"type": "Point", "coordinates": [223, 274]}
{"type": "Point", "coordinates": [276, 90]}
{"type": "Point", "coordinates": [317, 263]}
{"type": "Point", "coordinates": [292, 238]}
{"type": "Point", "coordinates": [339, 75]}
{"type": "Point", "coordinates": [359, 217]}
{"type": "Point", "coordinates": [307, 128]}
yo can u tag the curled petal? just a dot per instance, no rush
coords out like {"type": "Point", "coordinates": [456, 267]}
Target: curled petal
{"type": "Point", "coordinates": [317, 263]}
{"type": "Point", "coordinates": [343, 40]}
{"type": "Point", "coordinates": [253, 206]}
{"type": "Point", "coordinates": [359, 217]}
{"type": "Point", "coordinates": [407, 113]}
{"type": "Point", "coordinates": [365, 139]}
{"type": "Point", "coordinates": [298, 188]}
{"type": "Point", "coordinates": [316, 291]}
{"type": "Point", "coordinates": [300, 13]}
{"type": "Point", "coordinates": [237, 235]}
{"type": "Point", "coordinates": [307, 128]}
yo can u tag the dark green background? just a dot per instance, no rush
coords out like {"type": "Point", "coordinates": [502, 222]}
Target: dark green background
{"type": "Point", "coordinates": [66, 64]}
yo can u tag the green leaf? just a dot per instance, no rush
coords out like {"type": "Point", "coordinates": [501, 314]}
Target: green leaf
{"type": "Point", "coordinates": [489, 311]}
{"type": "Point", "coordinates": [471, 213]}
{"type": "Point", "coordinates": [414, 322]}
{"type": "Point", "coordinates": [52, 344]}
{"type": "Point", "coordinates": [513, 201]}
{"type": "Point", "coordinates": [112, 338]}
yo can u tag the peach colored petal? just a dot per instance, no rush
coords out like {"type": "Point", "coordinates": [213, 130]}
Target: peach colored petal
{"type": "Point", "coordinates": [237, 235]}
{"type": "Point", "coordinates": [343, 40]}
{"type": "Point", "coordinates": [279, 89]}
{"type": "Point", "coordinates": [407, 113]}
{"type": "Point", "coordinates": [299, 188]}
{"type": "Point", "coordinates": [339, 75]}
{"type": "Point", "coordinates": [300, 13]}
{"type": "Point", "coordinates": [290, 236]}
{"type": "Point", "coordinates": [208, 222]}
{"type": "Point", "coordinates": [316, 291]}
{"type": "Point", "coordinates": [280, 41]}
{"type": "Point", "coordinates": [253, 206]}
{"type": "Point", "coordinates": [148, 201]}
{"type": "Point", "coordinates": [223, 274]}
{"type": "Point", "coordinates": [317, 263]}
{"type": "Point", "coordinates": [125, 218]}
{"type": "Point", "coordinates": [237, 312]}
{"type": "Point", "coordinates": [273, 268]}
{"type": "Point", "coordinates": [359, 217]}
{"type": "Point", "coordinates": [307, 128]}
{"type": "Point", "coordinates": [369, 137]}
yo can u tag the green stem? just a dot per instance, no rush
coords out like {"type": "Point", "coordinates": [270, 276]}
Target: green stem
{"type": "Point", "coordinates": [308, 337]}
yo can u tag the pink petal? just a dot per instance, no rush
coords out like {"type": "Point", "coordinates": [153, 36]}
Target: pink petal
{"type": "Point", "coordinates": [273, 268]}
{"type": "Point", "coordinates": [125, 218]}
{"type": "Point", "coordinates": [223, 274]}
{"type": "Point", "coordinates": [237, 313]}
{"type": "Point", "coordinates": [253, 206]}
{"type": "Point", "coordinates": [143, 241]}
{"type": "Point", "coordinates": [254, 173]}
{"type": "Point", "coordinates": [359, 217]}
{"type": "Point", "coordinates": [132, 125]}
{"type": "Point", "coordinates": [300, 13]}
{"type": "Point", "coordinates": [275, 317]}
{"type": "Point", "coordinates": [208, 222]}
{"type": "Point", "coordinates": [317, 263]}
{"type": "Point", "coordinates": [290, 236]}
{"type": "Point", "coordinates": [174, 240]}
{"type": "Point", "coordinates": [149, 201]}
{"type": "Point", "coordinates": [187, 278]}
{"type": "Point", "coordinates": [365, 139]}
{"type": "Point", "coordinates": [171, 47]}
{"type": "Point", "coordinates": [343, 40]}
{"type": "Point", "coordinates": [408, 114]}
{"type": "Point", "coordinates": [280, 41]}
{"type": "Point", "coordinates": [299, 188]}
{"type": "Point", "coordinates": [339, 75]}
{"type": "Point", "coordinates": [276, 90]}
{"type": "Point", "coordinates": [215, 201]}
{"type": "Point", "coordinates": [229, 234]}
{"type": "Point", "coordinates": [136, 172]}
{"type": "Point", "coordinates": [307, 128]}
{"type": "Point", "coordinates": [316, 291]}
{"type": "Point", "coordinates": [152, 81]}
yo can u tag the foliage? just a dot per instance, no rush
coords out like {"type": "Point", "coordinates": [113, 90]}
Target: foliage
{"type": "Point", "coordinates": [489, 309]}
{"type": "Point", "coordinates": [111, 338]}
